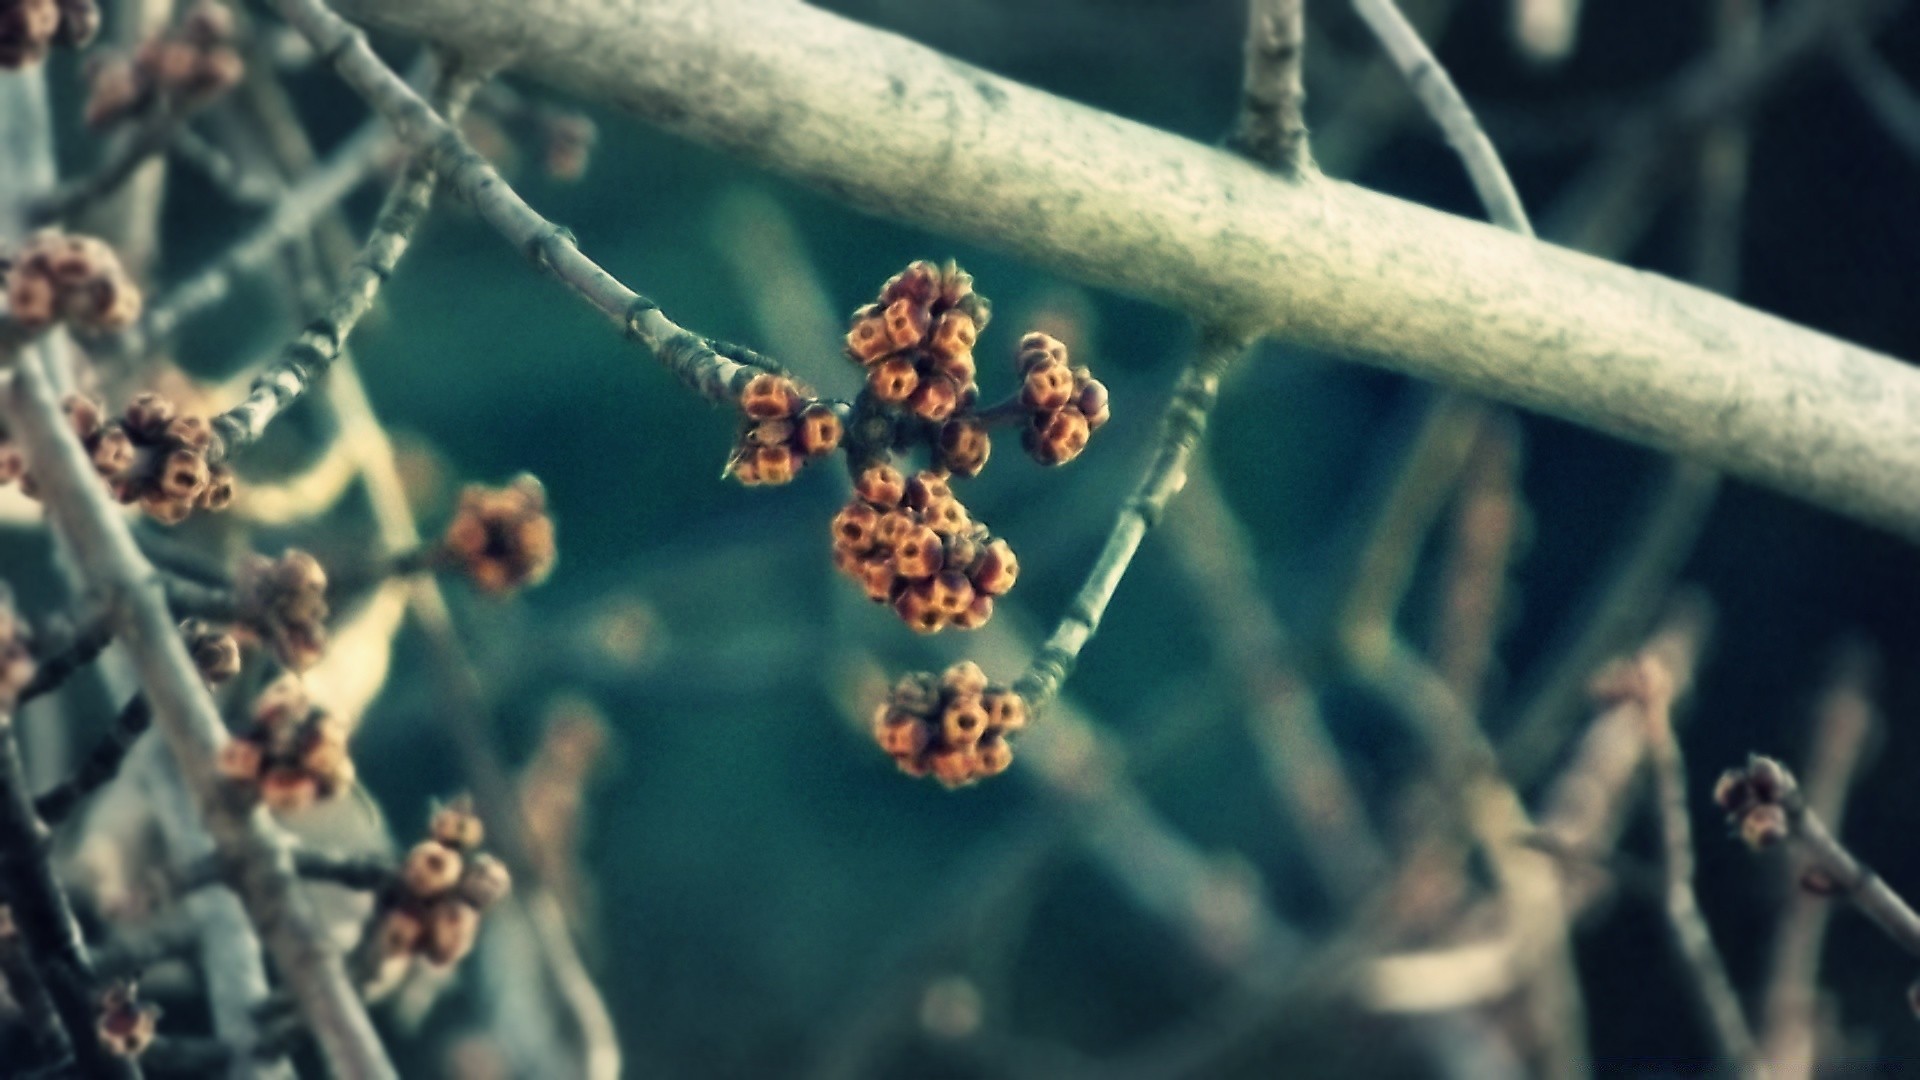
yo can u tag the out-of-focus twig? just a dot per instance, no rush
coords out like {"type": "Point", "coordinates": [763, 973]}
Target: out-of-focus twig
{"type": "Point", "coordinates": [1271, 127]}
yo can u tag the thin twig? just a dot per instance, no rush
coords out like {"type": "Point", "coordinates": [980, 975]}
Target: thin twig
{"type": "Point", "coordinates": [1892, 101]}
{"type": "Point", "coordinates": [1651, 687]}
{"type": "Point", "coordinates": [1431, 83]}
{"type": "Point", "coordinates": [692, 358]}
{"type": "Point", "coordinates": [222, 170]}
{"type": "Point", "coordinates": [309, 355]}
{"type": "Point", "coordinates": [76, 196]}
{"type": "Point", "coordinates": [1487, 522]}
{"type": "Point", "coordinates": [80, 649]}
{"type": "Point", "coordinates": [100, 767]}
{"type": "Point", "coordinates": [366, 873]}
{"type": "Point", "coordinates": [1272, 125]}
{"type": "Point", "coordinates": [1843, 729]}
{"type": "Point", "coordinates": [1181, 427]}
{"type": "Point", "coordinates": [356, 159]}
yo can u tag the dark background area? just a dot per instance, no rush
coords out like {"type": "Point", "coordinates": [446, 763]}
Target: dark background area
{"type": "Point", "coordinates": [756, 863]}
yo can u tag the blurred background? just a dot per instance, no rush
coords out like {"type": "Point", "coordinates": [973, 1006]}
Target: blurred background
{"type": "Point", "coordinates": [684, 704]}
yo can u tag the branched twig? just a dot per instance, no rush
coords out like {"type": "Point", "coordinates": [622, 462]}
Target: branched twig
{"type": "Point", "coordinates": [1272, 126]}
{"type": "Point", "coordinates": [80, 507]}
{"type": "Point", "coordinates": [1843, 728]}
{"type": "Point", "coordinates": [1651, 687]}
{"type": "Point", "coordinates": [101, 766]}
{"type": "Point", "coordinates": [350, 165]}
{"type": "Point", "coordinates": [1181, 426]}
{"type": "Point", "coordinates": [715, 372]}
{"type": "Point", "coordinates": [81, 649]}
{"type": "Point", "coordinates": [309, 355]}
{"type": "Point", "coordinates": [75, 197]}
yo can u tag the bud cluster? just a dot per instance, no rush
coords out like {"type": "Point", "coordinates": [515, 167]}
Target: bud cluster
{"type": "Point", "coordinates": [59, 277]}
{"type": "Point", "coordinates": [215, 651]}
{"type": "Point", "coordinates": [183, 68]}
{"type": "Point", "coordinates": [911, 544]}
{"type": "Point", "coordinates": [284, 603]}
{"type": "Point", "coordinates": [432, 908]}
{"type": "Point", "coordinates": [1760, 801]}
{"type": "Point", "coordinates": [293, 754]}
{"type": "Point", "coordinates": [783, 429]}
{"type": "Point", "coordinates": [501, 538]}
{"type": "Point", "coordinates": [954, 727]}
{"type": "Point", "coordinates": [29, 27]}
{"type": "Point", "coordinates": [916, 342]}
{"type": "Point", "coordinates": [150, 455]}
{"type": "Point", "coordinates": [1065, 404]}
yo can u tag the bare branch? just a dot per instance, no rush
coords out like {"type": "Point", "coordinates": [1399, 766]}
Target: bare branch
{"type": "Point", "coordinates": [1271, 128]}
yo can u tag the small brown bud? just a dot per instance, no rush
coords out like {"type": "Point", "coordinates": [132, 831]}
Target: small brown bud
{"type": "Point", "coordinates": [149, 414]}
{"type": "Point", "coordinates": [958, 367]}
{"type": "Point", "coordinates": [881, 485]}
{"type": "Point", "coordinates": [485, 881]}
{"type": "Point", "coordinates": [892, 527]}
{"type": "Point", "coordinates": [86, 415]}
{"type": "Point", "coordinates": [964, 679]}
{"type": "Point", "coordinates": [952, 594]}
{"type": "Point", "coordinates": [430, 869]}
{"type": "Point", "coordinates": [770, 433]}
{"type": "Point", "coordinates": [962, 722]}
{"type": "Point", "coordinates": [819, 432]}
{"type": "Point", "coordinates": [935, 399]}
{"type": "Point", "coordinates": [918, 553]}
{"type": "Point", "coordinates": [503, 536]}
{"type": "Point", "coordinates": [893, 380]}
{"type": "Point", "coordinates": [1037, 348]}
{"type": "Point", "coordinates": [953, 334]}
{"type": "Point", "coordinates": [926, 487]}
{"type": "Point", "coordinates": [126, 1025]}
{"type": "Point", "coordinates": [997, 569]}
{"type": "Point", "coordinates": [215, 652]}
{"type": "Point", "coordinates": [917, 693]}
{"type": "Point", "coordinates": [399, 933]}
{"type": "Point", "coordinates": [917, 609]}
{"type": "Point", "coordinates": [1058, 437]}
{"type": "Point", "coordinates": [183, 476]}
{"type": "Point", "coordinates": [775, 464]}
{"type": "Point", "coordinates": [953, 767]}
{"type": "Point", "coordinates": [1090, 397]}
{"type": "Point", "coordinates": [770, 397]}
{"type": "Point", "coordinates": [457, 826]}
{"type": "Point", "coordinates": [1006, 710]}
{"type": "Point", "coordinates": [991, 756]}
{"type": "Point", "coordinates": [1763, 826]}
{"type": "Point", "coordinates": [977, 614]}
{"type": "Point", "coordinates": [868, 341]}
{"type": "Point", "coordinates": [854, 526]}
{"type": "Point", "coordinates": [218, 494]}
{"type": "Point", "coordinates": [906, 322]}
{"type": "Point", "coordinates": [1732, 792]}
{"type": "Point", "coordinates": [902, 736]}
{"type": "Point", "coordinates": [113, 452]}
{"type": "Point", "coordinates": [239, 760]}
{"type": "Point", "coordinates": [1048, 386]}
{"type": "Point", "coordinates": [877, 578]}
{"type": "Point", "coordinates": [452, 925]}
{"type": "Point", "coordinates": [964, 446]}
{"type": "Point", "coordinates": [946, 516]}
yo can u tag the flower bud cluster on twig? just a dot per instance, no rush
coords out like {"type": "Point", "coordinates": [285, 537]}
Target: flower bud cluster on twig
{"type": "Point", "coordinates": [283, 603]}
{"type": "Point", "coordinates": [77, 280]}
{"type": "Point", "coordinates": [182, 68]}
{"type": "Point", "coordinates": [911, 544]}
{"type": "Point", "coordinates": [501, 538]}
{"type": "Point", "coordinates": [785, 428]}
{"type": "Point", "coordinates": [954, 727]}
{"type": "Point", "coordinates": [293, 754]}
{"type": "Point", "coordinates": [916, 341]}
{"type": "Point", "coordinates": [28, 28]}
{"type": "Point", "coordinates": [150, 455]}
{"type": "Point", "coordinates": [214, 649]}
{"type": "Point", "coordinates": [432, 908]}
{"type": "Point", "coordinates": [1065, 404]}
{"type": "Point", "coordinates": [1759, 800]}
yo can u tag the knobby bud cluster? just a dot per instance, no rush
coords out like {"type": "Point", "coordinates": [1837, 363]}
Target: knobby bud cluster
{"type": "Point", "coordinates": [150, 455]}
{"type": "Point", "coordinates": [78, 280]}
{"type": "Point", "coordinates": [1760, 801]}
{"type": "Point", "coordinates": [916, 341]}
{"type": "Point", "coordinates": [911, 544]}
{"type": "Point", "coordinates": [180, 69]}
{"type": "Point", "coordinates": [283, 604]}
{"type": "Point", "coordinates": [783, 428]}
{"type": "Point", "coordinates": [1065, 404]}
{"type": "Point", "coordinates": [501, 538]}
{"type": "Point", "coordinates": [954, 727]}
{"type": "Point", "coordinates": [293, 754]}
{"type": "Point", "coordinates": [28, 28]}
{"type": "Point", "coordinates": [431, 910]}
{"type": "Point", "coordinates": [215, 651]}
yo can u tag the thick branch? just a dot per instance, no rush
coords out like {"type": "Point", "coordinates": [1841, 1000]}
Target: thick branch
{"type": "Point", "coordinates": [897, 129]}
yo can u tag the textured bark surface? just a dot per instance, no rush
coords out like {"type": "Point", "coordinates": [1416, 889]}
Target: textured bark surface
{"type": "Point", "coordinates": [897, 129]}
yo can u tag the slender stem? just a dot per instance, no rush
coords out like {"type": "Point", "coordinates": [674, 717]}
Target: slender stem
{"type": "Point", "coordinates": [222, 169]}
{"type": "Point", "coordinates": [1713, 989]}
{"type": "Point", "coordinates": [1487, 521]}
{"type": "Point", "coordinates": [1181, 427]}
{"type": "Point", "coordinates": [1434, 87]}
{"type": "Point", "coordinates": [100, 767]}
{"type": "Point", "coordinates": [309, 355]}
{"type": "Point", "coordinates": [76, 196]}
{"type": "Point", "coordinates": [81, 509]}
{"type": "Point", "coordinates": [715, 372]}
{"type": "Point", "coordinates": [364, 872]}
{"type": "Point", "coordinates": [43, 917]}
{"type": "Point", "coordinates": [28, 991]}
{"type": "Point", "coordinates": [1893, 103]}
{"type": "Point", "coordinates": [356, 159]}
{"type": "Point", "coordinates": [1272, 126]}
{"type": "Point", "coordinates": [83, 648]}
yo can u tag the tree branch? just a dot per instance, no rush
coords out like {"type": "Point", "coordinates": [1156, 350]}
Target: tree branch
{"type": "Point", "coordinates": [1271, 128]}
